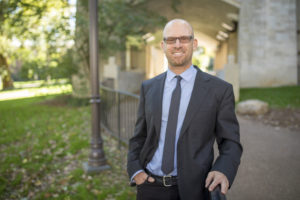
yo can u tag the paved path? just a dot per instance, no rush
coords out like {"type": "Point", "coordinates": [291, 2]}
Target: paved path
{"type": "Point", "coordinates": [270, 166]}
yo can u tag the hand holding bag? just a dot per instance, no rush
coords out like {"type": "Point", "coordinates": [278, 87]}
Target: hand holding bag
{"type": "Point", "coordinates": [216, 194]}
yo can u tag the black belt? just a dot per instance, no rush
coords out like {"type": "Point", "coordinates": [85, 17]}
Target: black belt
{"type": "Point", "coordinates": [166, 181]}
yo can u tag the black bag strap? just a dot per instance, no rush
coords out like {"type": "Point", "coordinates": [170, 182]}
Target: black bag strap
{"type": "Point", "coordinates": [216, 194]}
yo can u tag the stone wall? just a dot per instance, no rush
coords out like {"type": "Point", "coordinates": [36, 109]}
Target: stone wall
{"type": "Point", "coordinates": [221, 56]}
{"type": "Point", "coordinates": [138, 60]}
{"type": "Point", "coordinates": [267, 43]}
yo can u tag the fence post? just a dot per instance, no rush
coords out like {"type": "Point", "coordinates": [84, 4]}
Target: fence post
{"type": "Point", "coordinates": [119, 119]}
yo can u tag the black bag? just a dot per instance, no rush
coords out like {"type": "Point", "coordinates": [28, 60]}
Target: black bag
{"type": "Point", "coordinates": [216, 194]}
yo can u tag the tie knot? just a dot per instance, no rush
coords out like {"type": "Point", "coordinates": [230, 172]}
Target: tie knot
{"type": "Point", "coordinates": [178, 78]}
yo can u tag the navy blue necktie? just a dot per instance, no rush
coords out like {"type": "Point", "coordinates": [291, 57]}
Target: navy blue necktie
{"type": "Point", "coordinates": [169, 147]}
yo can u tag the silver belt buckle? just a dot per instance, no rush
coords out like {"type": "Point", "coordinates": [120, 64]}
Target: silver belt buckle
{"type": "Point", "coordinates": [164, 180]}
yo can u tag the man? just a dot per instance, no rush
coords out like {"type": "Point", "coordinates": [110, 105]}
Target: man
{"type": "Point", "coordinates": [181, 113]}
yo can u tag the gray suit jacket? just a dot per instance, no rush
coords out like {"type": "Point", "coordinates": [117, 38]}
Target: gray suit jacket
{"type": "Point", "coordinates": [210, 116]}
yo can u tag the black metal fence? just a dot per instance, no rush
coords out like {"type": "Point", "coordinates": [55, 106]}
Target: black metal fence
{"type": "Point", "coordinates": [118, 112]}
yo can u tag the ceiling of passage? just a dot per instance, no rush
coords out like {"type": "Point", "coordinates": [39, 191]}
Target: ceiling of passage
{"type": "Point", "coordinates": [206, 16]}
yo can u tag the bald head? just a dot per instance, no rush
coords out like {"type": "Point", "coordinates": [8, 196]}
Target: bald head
{"type": "Point", "coordinates": [178, 45]}
{"type": "Point", "coordinates": [178, 23]}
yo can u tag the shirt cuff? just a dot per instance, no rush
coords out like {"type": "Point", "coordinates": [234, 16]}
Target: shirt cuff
{"type": "Point", "coordinates": [131, 180]}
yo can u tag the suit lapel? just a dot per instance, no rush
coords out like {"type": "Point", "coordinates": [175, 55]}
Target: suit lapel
{"type": "Point", "coordinates": [157, 98]}
{"type": "Point", "coordinates": [197, 99]}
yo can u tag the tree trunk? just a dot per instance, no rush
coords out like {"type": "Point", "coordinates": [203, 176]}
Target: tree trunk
{"type": "Point", "coordinates": [7, 81]}
{"type": "Point", "coordinates": [81, 80]}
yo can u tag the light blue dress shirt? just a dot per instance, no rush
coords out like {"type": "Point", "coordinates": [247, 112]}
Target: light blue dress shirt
{"type": "Point", "coordinates": [187, 84]}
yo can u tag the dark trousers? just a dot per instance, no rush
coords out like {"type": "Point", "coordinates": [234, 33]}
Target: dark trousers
{"type": "Point", "coordinates": [154, 191]}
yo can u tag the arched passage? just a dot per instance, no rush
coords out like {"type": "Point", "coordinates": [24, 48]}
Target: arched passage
{"type": "Point", "coordinates": [256, 40]}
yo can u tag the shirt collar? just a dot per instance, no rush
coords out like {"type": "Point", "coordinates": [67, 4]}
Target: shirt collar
{"type": "Point", "coordinates": [186, 75]}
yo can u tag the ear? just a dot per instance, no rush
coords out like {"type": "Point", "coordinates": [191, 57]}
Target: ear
{"type": "Point", "coordinates": [162, 45]}
{"type": "Point", "coordinates": [195, 44]}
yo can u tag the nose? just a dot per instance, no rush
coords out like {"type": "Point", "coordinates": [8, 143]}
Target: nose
{"type": "Point", "coordinates": [177, 42]}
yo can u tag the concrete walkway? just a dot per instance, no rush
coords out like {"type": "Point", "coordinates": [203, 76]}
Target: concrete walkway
{"type": "Point", "coordinates": [270, 166]}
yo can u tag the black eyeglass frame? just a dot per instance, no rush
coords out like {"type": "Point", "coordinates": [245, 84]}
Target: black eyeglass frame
{"type": "Point", "coordinates": [190, 37]}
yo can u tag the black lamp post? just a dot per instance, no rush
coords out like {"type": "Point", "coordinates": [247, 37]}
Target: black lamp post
{"type": "Point", "coordinates": [97, 161]}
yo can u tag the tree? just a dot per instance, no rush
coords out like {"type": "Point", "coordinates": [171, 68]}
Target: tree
{"type": "Point", "coordinates": [118, 19]}
{"type": "Point", "coordinates": [39, 26]}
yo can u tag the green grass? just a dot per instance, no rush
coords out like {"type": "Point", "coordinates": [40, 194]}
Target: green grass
{"type": "Point", "coordinates": [42, 149]}
{"type": "Point", "coordinates": [34, 92]}
{"type": "Point", "coordinates": [35, 84]}
{"type": "Point", "coordinates": [38, 83]}
{"type": "Point", "coordinates": [279, 97]}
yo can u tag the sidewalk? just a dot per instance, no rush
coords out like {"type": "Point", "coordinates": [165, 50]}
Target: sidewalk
{"type": "Point", "coordinates": [270, 166]}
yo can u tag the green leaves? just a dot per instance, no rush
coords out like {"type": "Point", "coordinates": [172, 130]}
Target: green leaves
{"type": "Point", "coordinates": [38, 33]}
{"type": "Point", "coordinates": [22, 18]}
{"type": "Point", "coordinates": [120, 19]}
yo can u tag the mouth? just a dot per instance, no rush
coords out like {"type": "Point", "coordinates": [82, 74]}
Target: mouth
{"type": "Point", "coordinates": [178, 54]}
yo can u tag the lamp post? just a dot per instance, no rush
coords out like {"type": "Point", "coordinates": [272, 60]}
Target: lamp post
{"type": "Point", "coordinates": [97, 161]}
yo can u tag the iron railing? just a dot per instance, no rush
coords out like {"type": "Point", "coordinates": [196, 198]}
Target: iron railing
{"type": "Point", "coordinates": [118, 113]}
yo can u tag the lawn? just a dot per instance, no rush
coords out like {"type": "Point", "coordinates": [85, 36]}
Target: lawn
{"type": "Point", "coordinates": [34, 92]}
{"type": "Point", "coordinates": [42, 147]}
{"type": "Point", "coordinates": [279, 97]}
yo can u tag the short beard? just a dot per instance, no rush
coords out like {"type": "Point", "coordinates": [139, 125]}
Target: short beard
{"type": "Point", "coordinates": [180, 64]}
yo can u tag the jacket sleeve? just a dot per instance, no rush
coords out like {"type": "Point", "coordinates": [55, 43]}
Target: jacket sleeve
{"type": "Point", "coordinates": [228, 137]}
{"type": "Point", "coordinates": [136, 143]}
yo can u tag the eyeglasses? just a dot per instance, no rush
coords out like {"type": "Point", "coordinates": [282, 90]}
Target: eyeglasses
{"type": "Point", "coordinates": [182, 39]}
